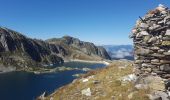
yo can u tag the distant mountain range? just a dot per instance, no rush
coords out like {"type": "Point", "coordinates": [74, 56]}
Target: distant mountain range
{"type": "Point", "coordinates": [22, 53]}
{"type": "Point", "coordinates": [120, 51]}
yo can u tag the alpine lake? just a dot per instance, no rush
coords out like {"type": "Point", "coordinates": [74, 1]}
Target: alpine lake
{"type": "Point", "coordinates": [27, 85]}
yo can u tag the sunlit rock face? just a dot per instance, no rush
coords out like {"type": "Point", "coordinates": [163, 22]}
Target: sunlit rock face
{"type": "Point", "coordinates": [18, 50]}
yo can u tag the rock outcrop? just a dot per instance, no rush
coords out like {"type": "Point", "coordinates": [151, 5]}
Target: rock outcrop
{"type": "Point", "coordinates": [21, 52]}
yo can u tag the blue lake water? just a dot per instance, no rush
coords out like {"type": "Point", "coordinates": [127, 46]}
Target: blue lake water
{"type": "Point", "coordinates": [27, 86]}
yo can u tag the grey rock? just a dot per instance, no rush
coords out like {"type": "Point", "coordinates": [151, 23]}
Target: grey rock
{"type": "Point", "coordinates": [156, 19]}
{"type": "Point", "coordinates": [167, 32]}
{"type": "Point", "coordinates": [138, 61]}
{"type": "Point", "coordinates": [147, 65]}
{"type": "Point", "coordinates": [164, 61]}
{"type": "Point", "coordinates": [166, 53]}
{"type": "Point", "coordinates": [166, 38]}
{"type": "Point", "coordinates": [168, 22]}
{"type": "Point", "coordinates": [167, 18]}
{"type": "Point", "coordinates": [142, 51]}
{"type": "Point", "coordinates": [161, 50]}
{"type": "Point", "coordinates": [146, 70]}
{"type": "Point", "coordinates": [86, 92]}
{"type": "Point", "coordinates": [142, 61]}
{"type": "Point", "coordinates": [144, 33]}
{"type": "Point", "coordinates": [165, 67]}
{"type": "Point", "coordinates": [155, 60]}
{"type": "Point", "coordinates": [152, 40]}
{"type": "Point", "coordinates": [146, 61]}
{"type": "Point", "coordinates": [146, 39]}
{"type": "Point", "coordinates": [155, 48]}
{"type": "Point", "coordinates": [161, 22]}
{"type": "Point", "coordinates": [154, 27]}
{"type": "Point", "coordinates": [160, 95]}
{"type": "Point", "coordinates": [138, 36]}
{"type": "Point", "coordinates": [144, 25]}
{"type": "Point", "coordinates": [158, 55]}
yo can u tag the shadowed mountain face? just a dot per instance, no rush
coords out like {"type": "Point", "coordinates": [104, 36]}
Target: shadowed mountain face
{"type": "Point", "coordinates": [19, 51]}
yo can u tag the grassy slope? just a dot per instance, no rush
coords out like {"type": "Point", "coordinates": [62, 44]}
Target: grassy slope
{"type": "Point", "coordinates": [108, 88]}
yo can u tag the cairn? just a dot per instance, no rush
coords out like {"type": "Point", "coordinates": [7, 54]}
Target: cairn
{"type": "Point", "coordinates": [151, 38]}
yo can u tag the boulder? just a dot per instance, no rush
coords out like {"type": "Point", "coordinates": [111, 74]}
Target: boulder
{"type": "Point", "coordinates": [130, 77]}
{"type": "Point", "coordinates": [86, 92]}
{"type": "Point", "coordinates": [160, 95]}
{"type": "Point", "coordinates": [155, 83]}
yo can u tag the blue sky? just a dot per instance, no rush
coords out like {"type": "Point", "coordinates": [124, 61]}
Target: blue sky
{"type": "Point", "coordinates": [97, 21]}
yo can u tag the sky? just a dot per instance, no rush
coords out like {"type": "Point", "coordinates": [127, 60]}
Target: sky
{"type": "Point", "coordinates": [103, 22]}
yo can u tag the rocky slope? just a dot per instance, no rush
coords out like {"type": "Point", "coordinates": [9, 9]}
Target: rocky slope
{"type": "Point", "coordinates": [20, 52]}
{"type": "Point", "coordinates": [79, 49]}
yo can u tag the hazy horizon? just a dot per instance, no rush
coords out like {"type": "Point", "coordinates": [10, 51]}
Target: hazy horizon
{"type": "Point", "coordinates": [103, 22]}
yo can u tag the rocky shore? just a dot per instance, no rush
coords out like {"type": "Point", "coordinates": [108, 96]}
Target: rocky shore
{"type": "Point", "coordinates": [6, 69]}
{"type": "Point", "coordinates": [106, 62]}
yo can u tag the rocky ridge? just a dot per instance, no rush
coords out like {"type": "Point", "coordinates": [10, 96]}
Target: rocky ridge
{"type": "Point", "coordinates": [78, 49]}
{"type": "Point", "coordinates": [18, 52]}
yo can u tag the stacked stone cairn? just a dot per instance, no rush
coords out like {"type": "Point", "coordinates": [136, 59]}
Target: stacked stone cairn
{"type": "Point", "coordinates": [151, 38]}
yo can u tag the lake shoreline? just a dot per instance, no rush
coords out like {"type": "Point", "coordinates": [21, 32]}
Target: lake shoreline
{"type": "Point", "coordinates": [58, 69]}
{"type": "Point", "coordinates": [48, 82]}
{"type": "Point", "coordinates": [88, 61]}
